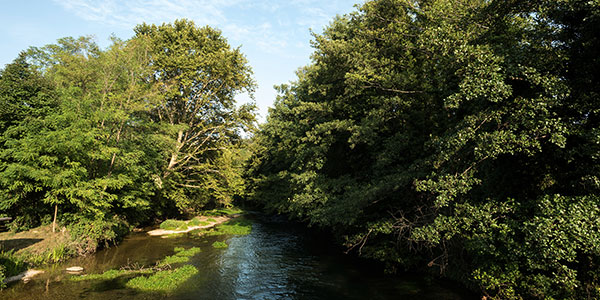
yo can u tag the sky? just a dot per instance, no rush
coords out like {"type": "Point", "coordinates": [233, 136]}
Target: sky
{"type": "Point", "coordinates": [273, 34]}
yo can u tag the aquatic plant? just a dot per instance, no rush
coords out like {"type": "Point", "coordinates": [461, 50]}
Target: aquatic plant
{"type": "Point", "coordinates": [219, 245]}
{"type": "Point", "coordinates": [237, 227]}
{"type": "Point", "coordinates": [180, 256]}
{"type": "Point", "coordinates": [187, 252]}
{"type": "Point", "coordinates": [163, 281]}
{"type": "Point", "coordinates": [222, 212]}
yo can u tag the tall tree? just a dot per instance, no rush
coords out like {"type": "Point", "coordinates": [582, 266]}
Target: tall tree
{"type": "Point", "coordinates": [199, 75]}
{"type": "Point", "coordinates": [448, 135]}
{"type": "Point", "coordinates": [26, 97]}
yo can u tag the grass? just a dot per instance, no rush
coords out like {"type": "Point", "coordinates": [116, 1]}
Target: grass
{"type": "Point", "coordinates": [211, 220]}
{"type": "Point", "coordinates": [163, 281]}
{"type": "Point", "coordinates": [219, 245]}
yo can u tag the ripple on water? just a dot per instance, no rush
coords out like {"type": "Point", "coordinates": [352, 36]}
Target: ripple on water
{"type": "Point", "coordinates": [277, 260]}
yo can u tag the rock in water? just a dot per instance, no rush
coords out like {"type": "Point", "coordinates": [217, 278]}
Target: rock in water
{"type": "Point", "coordinates": [74, 269]}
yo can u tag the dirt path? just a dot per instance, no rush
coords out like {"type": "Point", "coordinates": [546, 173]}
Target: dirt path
{"type": "Point", "coordinates": [217, 221]}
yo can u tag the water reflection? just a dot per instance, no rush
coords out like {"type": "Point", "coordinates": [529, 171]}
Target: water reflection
{"type": "Point", "coordinates": [276, 261]}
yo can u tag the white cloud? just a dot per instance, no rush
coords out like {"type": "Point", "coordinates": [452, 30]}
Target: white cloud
{"type": "Point", "coordinates": [129, 13]}
{"type": "Point", "coordinates": [274, 33]}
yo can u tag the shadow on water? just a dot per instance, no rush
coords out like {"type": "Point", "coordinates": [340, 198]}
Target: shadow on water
{"type": "Point", "coordinates": [277, 260]}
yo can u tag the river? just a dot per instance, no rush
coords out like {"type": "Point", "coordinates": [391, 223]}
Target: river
{"type": "Point", "coordinates": [277, 260]}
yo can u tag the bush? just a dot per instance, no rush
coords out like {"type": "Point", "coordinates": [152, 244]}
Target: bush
{"type": "Point", "coordinates": [10, 265]}
{"type": "Point", "coordinates": [91, 234]}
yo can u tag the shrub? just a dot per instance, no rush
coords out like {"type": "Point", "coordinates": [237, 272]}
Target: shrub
{"type": "Point", "coordinates": [10, 265]}
{"type": "Point", "coordinates": [90, 234]}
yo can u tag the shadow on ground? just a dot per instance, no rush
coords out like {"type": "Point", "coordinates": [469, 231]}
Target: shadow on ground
{"type": "Point", "coordinates": [17, 244]}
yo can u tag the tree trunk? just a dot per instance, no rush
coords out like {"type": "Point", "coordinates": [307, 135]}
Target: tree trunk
{"type": "Point", "coordinates": [54, 221]}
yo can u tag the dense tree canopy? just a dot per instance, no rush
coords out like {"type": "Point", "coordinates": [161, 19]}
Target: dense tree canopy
{"type": "Point", "coordinates": [146, 128]}
{"type": "Point", "coordinates": [199, 75]}
{"type": "Point", "coordinates": [455, 136]}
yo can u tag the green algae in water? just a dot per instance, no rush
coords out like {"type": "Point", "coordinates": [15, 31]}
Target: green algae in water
{"type": "Point", "coordinates": [222, 212]}
{"type": "Point", "coordinates": [187, 252]}
{"type": "Point", "coordinates": [233, 227]}
{"type": "Point", "coordinates": [219, 245]}
{"type": "Point", "coordinates": [163, 281]}
{"type": "Point", "coordinates": [181, 255]}
{"type": "Point", "coordinates": [110, 274]}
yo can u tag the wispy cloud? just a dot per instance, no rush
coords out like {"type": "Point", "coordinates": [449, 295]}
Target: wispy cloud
{"type": "Point", "coordinates": [270, 25]}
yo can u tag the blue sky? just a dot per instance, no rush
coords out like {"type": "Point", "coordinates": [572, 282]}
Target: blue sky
{"type": "Point", "coordinates": [274, 35]}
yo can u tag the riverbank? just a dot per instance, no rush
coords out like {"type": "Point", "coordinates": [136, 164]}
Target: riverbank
{"type": "Point", "coordinates": [21, 252]}
{"type": "Point", "coordinates": [204, 222]}
{"type": "Point", "coordinates": [276, 259]}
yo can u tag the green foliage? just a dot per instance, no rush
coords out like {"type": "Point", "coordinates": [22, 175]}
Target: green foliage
{"type": "Point", "coordinates": [174, 225]}
{"type": "Point", "coordinates": [163, 281]}
{"type": "Point", "coordinates": [11, 264]}
{"type": "Point", "coordinates": [458, 137]}
{"type": "Point", "coordinates": [122, 135]}
{"type": "Point", "coordinates": [90, 234]}
{"type": "Point", "coordinates": [199, 75]}
{"type": "Point", "coordinates": [219, 245]}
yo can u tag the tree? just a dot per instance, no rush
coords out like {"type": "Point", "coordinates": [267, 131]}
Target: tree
{"type": "Point", "coordinates": [448, 135]}
{"type": "Point", "coordinates": [199, 75]}
{"type": "Point", "coordinates": [26, 97]}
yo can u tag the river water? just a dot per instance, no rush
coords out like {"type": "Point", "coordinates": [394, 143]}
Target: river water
{"type": "Point", "coordinates": [277, 260]}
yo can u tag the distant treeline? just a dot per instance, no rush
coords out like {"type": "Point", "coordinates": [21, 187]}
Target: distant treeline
{"type": "Point", "coordinates": [145, 129]}
{"type": "Point", "coordinates": [459, 137]}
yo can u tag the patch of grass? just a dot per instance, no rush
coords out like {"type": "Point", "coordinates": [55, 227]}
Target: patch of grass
{"type": "Point", "coordinates": [163, 281]}
{"type": "Point", "coordinates": [194, 222]}
{"type": "Point", "coordinates": [219, 245]}
{"type": "Point", "coordinates": [173, 225]}
{"type": "Point", "coordinates": [211, 220]}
